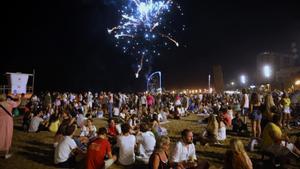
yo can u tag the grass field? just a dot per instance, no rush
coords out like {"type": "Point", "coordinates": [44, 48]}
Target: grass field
{"type": "Point", "coordinates": [35, 150]}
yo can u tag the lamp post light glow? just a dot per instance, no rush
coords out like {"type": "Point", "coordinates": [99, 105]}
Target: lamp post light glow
{"type": "Point", "coordinates": [232, 83]}
{"type": "Point", "coordinates": [267, 71]}
{"type": "Point", "coordinates": [243, 79]}
{"type": "Point", "coordinates": [297, 82]}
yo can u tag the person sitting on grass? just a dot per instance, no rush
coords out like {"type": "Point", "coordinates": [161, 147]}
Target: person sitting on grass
{"type": "Point", "coordinates": [238, 125]}
{"type": "Point", "coordinates": [211, 133]}
{"type": "Point", "coordinates": [132, 120]}
{"type": "Point", "coordinates": [113, 131]}
{"type": "Point", "coordinates": [180, 111]}
{"type": "Point", "coordinates": [159, 158]}
{"type": "Point", "coordinates": [126, 142]}
{"type": "Point", "coordinates": [37, 122]}
{"type": "Point", "coordinates": [87, 134]}
{"type": "Point", "coordinates": [237, 157]}
{"type": "Point", "coordinates": [28, 115]}
{"type": "Point", "coordinates": [227, 117]}
{"type": "Point", "coordinates": [89, 130]}
{"type": "Point", "coordinates": [98, 150]}
{"type": "Point", "coordinates": [273, 141]}
{"type": "Point", "coordinates": [156, 128]}
{"type": "Point", "coordinates": [67, 120]}
{"type": "Point", "coordinates": [230, 112]}
{"type": "Point", "coordinates": [221, 128]}
{"type": "Point", "coordinates": [184, 153]}
{"type": "Point", "coordinates": [66, 150]}
{"type": "Point", "coordinates": [54, 122]}
{"type": "Point", "coordinates": [145, 143]}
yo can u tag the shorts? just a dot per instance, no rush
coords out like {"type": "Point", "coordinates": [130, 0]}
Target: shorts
{"type": "Point", "coordinates": [255, 115]}
{"type": "Point", "coordinates": [244, 111]}
{"type": "Point", "coordinates": [287, 110]}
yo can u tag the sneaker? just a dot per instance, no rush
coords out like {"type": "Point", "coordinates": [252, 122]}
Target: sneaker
{"type": "Point", "coordinates": [7, 156]}
{"type": "Point", "coordinates": [217, 143]}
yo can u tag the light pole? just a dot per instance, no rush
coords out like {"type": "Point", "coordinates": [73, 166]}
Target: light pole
{"type": "Point", "coordinates": [267, 72]}
{"type": "Point", "coordinates": [209, 81]}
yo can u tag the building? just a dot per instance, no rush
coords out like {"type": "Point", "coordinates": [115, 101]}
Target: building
{"type": "Point", "coordinates": [285, 68]}
{"type": "Point", "coordinates": [218, 78]}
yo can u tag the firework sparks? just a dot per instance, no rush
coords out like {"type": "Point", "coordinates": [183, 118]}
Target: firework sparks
{"type": "Point", "coordinates": [142, 28]}
{"type": "Point", "coordinates": [171, 39]}
{"type": "Point", "coordinates": [140, 66]}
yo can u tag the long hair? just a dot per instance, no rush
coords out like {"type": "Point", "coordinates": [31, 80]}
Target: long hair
{"type": "Point", "coordinates": [212, 125]}
{"type": "Point", "coordinates": [237, 146]}
{"type": "Point", "coordinates": [239, 154]}
{"type": "Point", "coordinates": [254, 98]}
{"type": "Point", "coordinates": [269, 102]}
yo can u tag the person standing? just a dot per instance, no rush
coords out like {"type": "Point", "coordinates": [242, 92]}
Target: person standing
{"type": "Point", "coordinates": [48, 100]}
{"type": "Point", "coordinates": [6, 123]}
{"type": "Point", "coordinates": [245, 105]}
{"type": "Point", "coordinates": [286, 113]}
{"type": "Point", "coordinates": [110, 104]}
{"type": "Point", "coordinates": [255, 115]}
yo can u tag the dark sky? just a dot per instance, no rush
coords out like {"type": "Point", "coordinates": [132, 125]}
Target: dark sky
{"type": "Point", "coordinates": [66, 42]}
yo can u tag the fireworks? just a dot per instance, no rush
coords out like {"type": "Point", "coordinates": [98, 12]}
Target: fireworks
{"type": "Point", "coordinates": [143, 28]}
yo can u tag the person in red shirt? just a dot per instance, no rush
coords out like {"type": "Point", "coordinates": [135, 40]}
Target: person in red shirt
{"type": "Point", "coordinates": [112, 131]}
{"type": "Point", "coordinates": [98, 150]}
{"type": "Point", "coordinates": [226, 118]}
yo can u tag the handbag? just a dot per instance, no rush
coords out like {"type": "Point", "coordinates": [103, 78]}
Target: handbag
{"type": "Point", "coordinates": [6, 111]}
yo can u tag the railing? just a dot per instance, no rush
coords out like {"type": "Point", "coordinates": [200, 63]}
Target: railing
{"type": "Point", "coordinates": [7, 89]}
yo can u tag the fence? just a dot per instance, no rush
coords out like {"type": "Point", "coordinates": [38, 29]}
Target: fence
{"type": "Point", "coordinates": [7, 89]}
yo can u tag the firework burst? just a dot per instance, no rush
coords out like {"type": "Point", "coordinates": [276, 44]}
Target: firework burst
{"type": "Point", "coordinates": [143, 28]}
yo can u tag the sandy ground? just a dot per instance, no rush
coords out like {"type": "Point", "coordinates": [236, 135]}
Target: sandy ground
{"type": "Point", "coordinates": [35, 150]}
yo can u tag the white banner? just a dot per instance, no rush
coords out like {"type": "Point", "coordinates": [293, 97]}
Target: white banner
{"type": "Point", "coordinates": [18, 83]}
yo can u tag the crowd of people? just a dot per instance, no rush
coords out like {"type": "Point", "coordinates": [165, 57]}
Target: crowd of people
{"type": "Point", "coordinates": [134, 133]}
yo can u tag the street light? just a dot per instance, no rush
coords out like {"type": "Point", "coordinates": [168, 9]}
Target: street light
{"type": "Point", "coordinates": [232, 83]}
{"type": "Point", "coordinates": [267, 71]}
{"type": "Point", "coordinates": [243, 79]}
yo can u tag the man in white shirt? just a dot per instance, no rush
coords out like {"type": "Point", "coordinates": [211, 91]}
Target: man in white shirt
{"type": "Point", "coordinates": [63, 157]}
{"type": "Point", "coordinates": [145, 143]}
{"type": "Point", "coordinates": [184, 153]}
{"type": "Point", "coordinates": [126, 143]}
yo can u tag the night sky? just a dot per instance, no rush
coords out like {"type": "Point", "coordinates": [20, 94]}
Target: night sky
{"type": "Point", "coordinates": [67, 44]}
